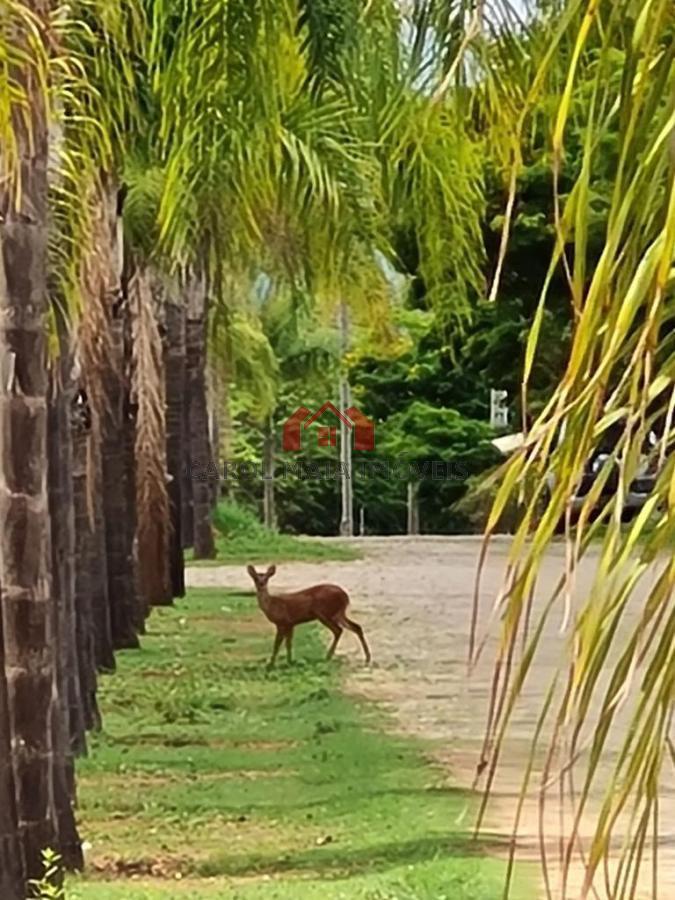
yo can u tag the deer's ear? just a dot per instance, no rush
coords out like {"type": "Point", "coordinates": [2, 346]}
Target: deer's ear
{"type": "Point", "coordinates": [271, 571]}
{"type": "Point", "coordinates": [251, 571]}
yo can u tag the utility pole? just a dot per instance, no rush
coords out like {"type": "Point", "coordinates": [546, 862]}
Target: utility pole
{"type": "Point", "coordinates": [347, 518]}
{"type": "Point", "coordinates": [413, 508]}
{"type": "Point", "coordinates": [269, 500]}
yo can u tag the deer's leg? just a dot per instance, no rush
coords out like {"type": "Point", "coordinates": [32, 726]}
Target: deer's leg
{"type": "Point", "coordinates": [358, 631]}
{"type": "Point", "coordinates": [337, 634]}
{"type": "Point", "coordinates": [289, 645]}
{"type": "Point", "coordinates": [277, 644]}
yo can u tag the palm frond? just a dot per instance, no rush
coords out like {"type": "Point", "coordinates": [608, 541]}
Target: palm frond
{"type": "Point", "coordinates": [618, 653]}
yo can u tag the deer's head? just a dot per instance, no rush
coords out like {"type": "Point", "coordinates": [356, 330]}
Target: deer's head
{"type": "Point", "coordinates": [260, 579]}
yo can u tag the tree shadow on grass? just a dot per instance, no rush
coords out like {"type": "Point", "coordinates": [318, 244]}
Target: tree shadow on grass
{"type": "Point", "coordinates": [334, 861]}
{"type": "Point", "coordinates": [332, 796]}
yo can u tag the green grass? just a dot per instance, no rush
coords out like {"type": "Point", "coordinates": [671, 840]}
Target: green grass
{"type": "Point", "coordinates": [214, 779]}
{"type": "Point", "coordinates": [241, 539]}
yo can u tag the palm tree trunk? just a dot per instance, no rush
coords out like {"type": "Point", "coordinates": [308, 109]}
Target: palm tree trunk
{"type": "Point", "coordinates": [28, 613]}
{"type": "Point", "coordinates": [187, 529]}
{"type": "Point", "coordinates": [153, 514]}
{"type": "Point", "coordinates": [413, 507]}
{"type": "Point", "coordinates": [141, 603]}
{"type": "Point", "coordinates": [140, 607]}
{"type": "Point", "coordinates": [90, 502]}
{"type": "Point", "coordinates": [174, 374]}
{"type": "Point", "coordinates": [62, 516]}
{"type": "Point", "coordinates": [227, 439]}
{"type": "Point", "coordinates": [187, 473]}
{"type": "Point", "coordinates": [12, 879]}
{"type": "Point", "coordinates": [69, 847]}
{"type": "Point", "coordinates": [118, 536]}
{"type": "Point", "coordinates": [115, 414]}
{"type": "Point", "coordinates": [89, 583]}
{"type": "Point", "coordinates": [201, 461]}
{"type": "Point", "coordinates": [97, 424]}
{"type": "Point", "coordinates": [214, 431]}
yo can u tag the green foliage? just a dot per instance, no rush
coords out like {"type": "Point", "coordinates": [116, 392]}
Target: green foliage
{"type": "Point", "coordinates": [250, 361]}
{"type": "Point", "coordinates": [425, 432]}
{"type": "Point", "coordinates": [442, 449]}
{"type": "Point", "coordinates": [232, 520]}
{"type": "Point", "coordinates": [287, 788]}
{"type": "Point", "coordinates": [428, 389]}
{"type": "Point", "coordinates": [477, 503]}
{"type": "Point", "coordinates": [50, 886]}
{"type": "Point", "coordinates": [144, 186]}
{"type": "Point", "coordinates": [241, 538]}
{"type": "Point", "coordinates": [330, 29]}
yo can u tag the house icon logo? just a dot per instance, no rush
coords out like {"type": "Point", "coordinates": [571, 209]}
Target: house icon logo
{"type": "Point", "coordinates": [353, 419]}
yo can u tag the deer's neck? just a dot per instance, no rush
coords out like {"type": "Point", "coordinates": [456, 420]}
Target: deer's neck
{"type": "Point", "coordinates": [264, 599]}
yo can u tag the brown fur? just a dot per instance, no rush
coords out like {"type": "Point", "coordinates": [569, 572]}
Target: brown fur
{"type": "Point", "coordinates": [325, 603]}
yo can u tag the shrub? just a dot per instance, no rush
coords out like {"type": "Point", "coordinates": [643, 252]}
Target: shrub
{"type": "Point", "coordinates": [475, 506]}
{"type": "Point", "coordinates": [50, 886]}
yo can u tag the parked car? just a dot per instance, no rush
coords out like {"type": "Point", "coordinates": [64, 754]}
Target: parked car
{"type": "Point", "coordinates": [638, 493]}
{"type": "Point", "coordinates": [640, 488]}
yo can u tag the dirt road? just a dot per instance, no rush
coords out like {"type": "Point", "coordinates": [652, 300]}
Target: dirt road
{"type": "Point", "coordinates": [414, 598]}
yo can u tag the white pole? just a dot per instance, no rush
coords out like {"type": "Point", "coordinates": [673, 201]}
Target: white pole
{"type": "Point", "coordinates": [347, 518]}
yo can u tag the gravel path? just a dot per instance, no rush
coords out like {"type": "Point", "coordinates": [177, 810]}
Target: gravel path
{"type": "Point", "coordinates": [414, 598]}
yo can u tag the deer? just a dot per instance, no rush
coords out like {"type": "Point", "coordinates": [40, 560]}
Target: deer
{"type": "Point", "coordinates": [325, 603]}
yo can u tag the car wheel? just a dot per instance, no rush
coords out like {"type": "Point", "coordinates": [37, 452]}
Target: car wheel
{"type": "Point", "coordinates": [574, 519]}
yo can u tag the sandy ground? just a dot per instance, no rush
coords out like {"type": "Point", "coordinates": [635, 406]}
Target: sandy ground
{"type": "Point", "coordinates": [414, 598]}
